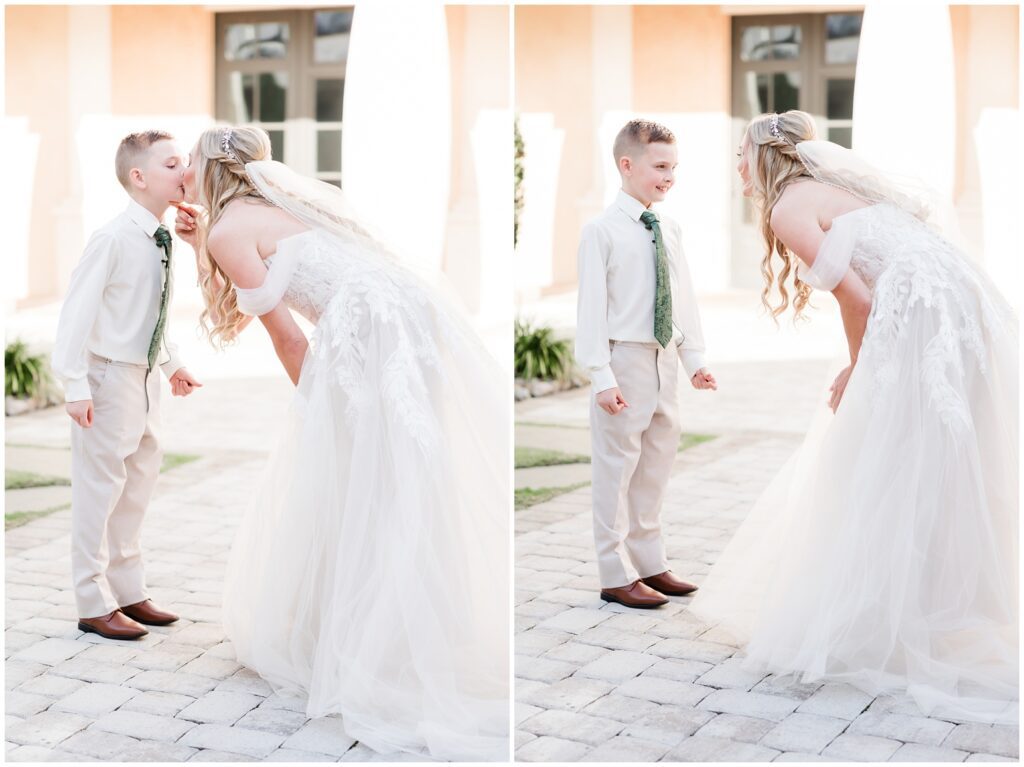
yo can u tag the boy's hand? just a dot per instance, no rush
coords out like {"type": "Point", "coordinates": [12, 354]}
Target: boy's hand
{"type": "Point", "coordinates": [182, 383]}
{"type": "Point", "coordinates": [81, 412]}
{"type": "Point", "coordinates": [185, 222]}
{"type": "Point", "coordinates": [611, 401]}
{"type": "Point", "coordinates": [703, 379]}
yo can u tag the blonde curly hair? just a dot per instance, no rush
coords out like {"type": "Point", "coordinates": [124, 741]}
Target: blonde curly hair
{"type": "Point", "coordinates": [773, 165]}
{"type": "Point", "coordinates": [220, 178]}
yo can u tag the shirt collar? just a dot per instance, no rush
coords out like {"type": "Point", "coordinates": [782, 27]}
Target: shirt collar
{"type": "Point", "coordinates": [142, 217]}
{"type": "Point", "coordinates": [629, 205]}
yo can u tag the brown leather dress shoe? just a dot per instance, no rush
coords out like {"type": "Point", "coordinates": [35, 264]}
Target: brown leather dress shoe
{"type": "Point", "coordinates": [148, 613]}
{"type": "Point", "coordinates": [634, 595]}
{"type": "Point", "coordinates": [667, 583]}
{"type": "Point", "coordinates": [116, 625]}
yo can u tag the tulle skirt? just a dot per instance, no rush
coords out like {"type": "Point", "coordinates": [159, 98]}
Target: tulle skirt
{"type": "Point", "coordinates": [370, 574]}
{"type": "Point", "coordinates": [884, 554]}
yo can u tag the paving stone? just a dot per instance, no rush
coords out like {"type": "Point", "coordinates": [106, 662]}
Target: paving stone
{"type": "Point", "coordinates": [201, 634]}
{"type": "Point", "coordinates": [219, 707]}
{"type": "Point", "coordinates": [295, 757]}
{"type": "Point", "coordinates": [111, 653]}
{"type": "Point", "coordinates": [627, 749]}
{"type": "Point", "coordinates": [617, 639]}
{"type": "Point", "coordinates": [570, 694]}
{"type": "Point", "coordinates": [838, 700]}
{"type": "Point", "coordinates": [112, 747]}
{"type": "Point", "coordinates": [861, 748]}
{"type": "Point", "coordinates": [174, 682]}
{"type": "Point", "coordinates": [169, 656]}
{"type": "Point", "coordinates": [1000, 741]}
{"type": "Point", "coordinates": [232, 739]}
{"type": "Point", "coordinates": [577, 653]}
{"type": "Point", "coordinates": [575, 620]}
{"type": "Point", "coordinates": [288, 702]}
{"type": "Point", "coordinates": [728, 674]}
{"type": "Point", "coordinates": [785, 686]}
{"type": "Point", "coordinates": [51, 685]}
{"type": "Point", "coordinates": [808, 733]}
{"type": "Point", "coordinates": [680, 670]}
{"type": "Point", "coordinates": [909, 729]}
{"type": "Point", "coordinates": [41, 754]}
{"type": "Point", "coordinates": [135, 724]}
{"type": "Point", "coordinates": [321, 736]}
{"type": "Point", "coordinates": [697, 748]}
{"type": "Point", "coordinates": [25, 704]}
{"type": "Point", "coordinates": [280, 721]}
{"type": "Point", "coordinates": [746, 729]}
{"type": "Point", "coordinates": [753, 704]}
{"type": "Point", "coordinates": [94, 700]}
{"type": "Point", "coordinates": [668, 725]}
{"type": "Point", "coordinates": [537, 642]}
{"type": "Point", "coordinates": [663, 691]}
{"type": "Point", "coordinates": [621, 708]}
{"type": "Point", "coordinates": [93, 671]}
{"type": "Point", "coordinates": [245, 680]}
{"type": "Point", "coordinates": [573, 725]}
{"type": "Point", "coordinates": [618, 666]}
{"type": "Point", "coordinates": [548, 749]}
{"type": "Point", "coordinates": [213, 755]}
{"type": "Point", "coordinates": [979, 757]}
{"type": "Point", "coordinates": [691, 649]}
{"type": "Point", "coordinates": [796, 756]}
{"type": "Point", "coordinates": [45, 729]}
{"type": "Point", "coordinates": [209, 666]}
{"type": "Point", "coordinates": [16, 641]}
{"type": "Point", "coordinates": [542, 669]}
{"type": "Point", "coordinates": [915, 752]}
{"type": "Point", "coordinates": [51, 651]}
{"type": "Point", "coordinates": [524, 711]}
{"type": "Point", "coordinates": [158, 703]}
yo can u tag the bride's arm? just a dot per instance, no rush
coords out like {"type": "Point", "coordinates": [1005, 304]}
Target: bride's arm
{"type": "Point", "coordinates": [797, 227]}
{"type": "Point", "coordinates": [241, 262]}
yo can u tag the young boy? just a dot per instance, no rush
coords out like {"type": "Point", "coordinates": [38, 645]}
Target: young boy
{"type": "Point", "coordinates": [110, 335]}
{"type": "Point", "coordinates": [636, 313]}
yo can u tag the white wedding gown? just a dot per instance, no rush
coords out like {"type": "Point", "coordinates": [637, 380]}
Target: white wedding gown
{"type": "Point", "coordinates": [885, 552]}
{"type": "Point", "coordinates": [370, 573]}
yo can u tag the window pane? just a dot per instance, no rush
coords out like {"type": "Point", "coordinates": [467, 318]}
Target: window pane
{"type": "Point", "coordinates": [277, 144]}
{"type": "Point", "coordinates": [756, 94]}
{"type": "Point", "coordinates": [787, 91]}
{"type": "Point", "coordinates": [328, 150]}
{"type": "Point", "coordinates": [842, 36]}
{"type": "Point", "coordinates": [243, 42]}
{"type": "Point", "coordinates": [240, 108]}
{"type": "Point", "coordinates": [765, 43]}
{"type": "Point", "coordinates": [329, 95]}
{"type": "Point", "coordinates": [332, 182]}
{"type": "Point", "coordinates": [840, 99]}
{"type": "Point", "coordinates": [273, 91]}
{"type": "Point", "coordinates": [331, 31]}
{"type": "Point", "coordinates": [841, 136]}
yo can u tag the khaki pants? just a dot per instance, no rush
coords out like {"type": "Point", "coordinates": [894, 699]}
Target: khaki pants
{"type": "Point", "coordinates": [114, 467]}
{"type": "Point", "coordinates": [631, 462]}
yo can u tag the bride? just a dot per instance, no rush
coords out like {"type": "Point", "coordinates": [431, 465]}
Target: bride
{"type": "Point", "coordinates": [370, 572]}
{"type": "Point", "coordinates": [884, 554]}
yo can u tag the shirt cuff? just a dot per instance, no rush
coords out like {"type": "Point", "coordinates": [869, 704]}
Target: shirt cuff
{"type": "Point", "coordinates": [172, 366]}
{"type": "Point", "coordinates": [76, 389]}
{"type": "Point", "coordinates": [602, 379]}
{"type": "Point", "coordinates": [692, 361]}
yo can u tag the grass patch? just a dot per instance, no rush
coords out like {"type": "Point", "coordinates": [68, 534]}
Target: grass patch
{"type": "Point", "coordinates": [546, 425]}
{"type": "Point", "coordinates": [686, 441]}
{"type": "Point", "coordinates": [531, 496]}
{"type": "Point", "coordinates": [530, 457]}
{"type": "Point", "coordinates": [22, 480]}
{"type": "Point", "coordinates": [174, 460]}
{"type": "Point", "coordinates": [19, 518]}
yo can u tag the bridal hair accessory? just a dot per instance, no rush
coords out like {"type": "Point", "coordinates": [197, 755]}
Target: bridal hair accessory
{"type": "Point", "coordinates": [225, 144]}
{"type": "Point", "coordinates": [776, 131]}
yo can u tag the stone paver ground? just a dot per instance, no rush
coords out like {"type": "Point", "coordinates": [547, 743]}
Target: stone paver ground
{"type": "Point", "coordinates": [178, 694]}
{"type": "Point", "coordinates": [601, 682]}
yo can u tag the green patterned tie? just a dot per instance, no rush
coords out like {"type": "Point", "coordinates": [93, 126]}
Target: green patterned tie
{"type": "Point", "coordinates": [163, 240]}
{"type": "Point", "coordinates": [662, 287]}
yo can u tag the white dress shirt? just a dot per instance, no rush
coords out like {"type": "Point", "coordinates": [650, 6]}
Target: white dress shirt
{"type": "Point", "coordinates": [113, 302]}
{"type": "Point", "coordinates": [616, 290]}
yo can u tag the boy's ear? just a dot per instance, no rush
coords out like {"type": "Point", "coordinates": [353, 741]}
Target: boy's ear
{"type": "Point", "coordinates": [625, 164]}
{"type": "Point", "coordinates": [136, 178]}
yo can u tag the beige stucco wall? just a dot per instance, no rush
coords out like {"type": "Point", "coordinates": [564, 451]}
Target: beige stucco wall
{"type": "Point", "coordinates": [36, 65]}
{"type": "Point", "coordinates": [180, 38]}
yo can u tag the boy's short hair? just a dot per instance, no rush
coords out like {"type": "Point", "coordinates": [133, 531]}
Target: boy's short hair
{"type": "Point", "coordinates": [640, 133]}
{"type": "Point", "coordinates": [131, 149]}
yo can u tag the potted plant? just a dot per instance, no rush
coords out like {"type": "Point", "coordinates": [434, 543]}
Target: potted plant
{"type": "Point", "coordinates": [27, 380]}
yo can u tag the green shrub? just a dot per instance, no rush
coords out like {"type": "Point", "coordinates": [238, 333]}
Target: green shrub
{"type": "Point", "coordinates": [26, 376]}
{"type": "Point", "coordinates": [540, 355]}
{"type": "Point", "coordinates": [520, 153]}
